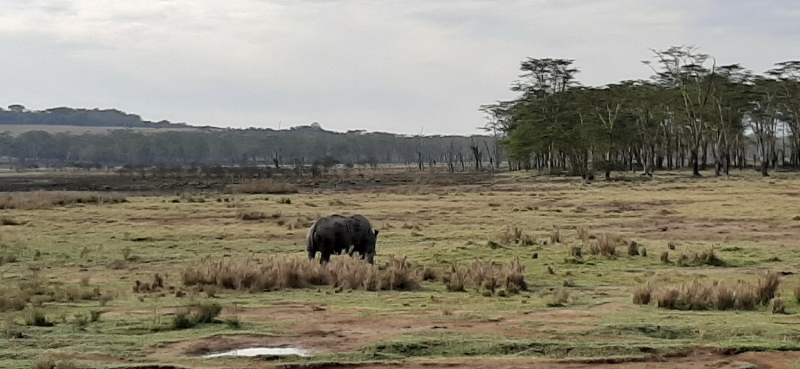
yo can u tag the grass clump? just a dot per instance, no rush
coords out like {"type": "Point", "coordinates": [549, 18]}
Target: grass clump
{"type": "Point", "coordinates": [399, 276]}
{"type": "Point", "coordinates": [251, 215]}
{"type": "Point", "coordinates": [559, 298]}
{"type": "Point", "coordinates": [190, 317]}
{"type": "Point", "coordinates": [275, 273]}
{"type": "Point", "coordinates": [455, 279]}
{"type": "Point", "coordinates": [233, 323]}
{"type": "Point", "coordinates": [37, 318]}
{"type": "Point", "coordinates": [718, 296]}
{"type": "Point", "coordinates": [643, 294]}
{"type": "Point", "coordinates": [45, 362]}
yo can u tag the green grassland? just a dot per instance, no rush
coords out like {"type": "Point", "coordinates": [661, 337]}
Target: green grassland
{"type": "Point", "coordinates": [76, 266]}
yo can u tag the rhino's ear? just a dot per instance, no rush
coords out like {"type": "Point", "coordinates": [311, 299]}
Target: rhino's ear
{"type": "Point", "coordinates": [376, 233]}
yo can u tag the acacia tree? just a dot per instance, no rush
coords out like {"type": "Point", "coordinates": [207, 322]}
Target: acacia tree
{"type": "Point", "coordinates": [686, 70]}
{"type": "Point", "coordinates": [730, 102]}
{"type": "Point", "coordinates": [762, 119]}
{"type": "Point", "coordinates": [788, 100]}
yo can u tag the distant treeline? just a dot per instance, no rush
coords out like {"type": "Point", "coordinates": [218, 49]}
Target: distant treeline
{"type": "Point", "coordinates": [691, 112]}
{"type": "Point", "coordinates": [18, 114]}
{"type": "Point", "coordinates": [298, 146]}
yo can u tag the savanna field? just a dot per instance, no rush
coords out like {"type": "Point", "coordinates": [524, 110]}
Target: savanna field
{"type": "Point", "coordinates": [505, 271]}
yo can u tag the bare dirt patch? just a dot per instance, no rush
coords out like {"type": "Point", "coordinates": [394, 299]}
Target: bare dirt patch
{"type": "Point", "coordinates": [319, 329]}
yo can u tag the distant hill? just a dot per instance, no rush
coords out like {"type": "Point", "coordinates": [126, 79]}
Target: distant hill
{"type": "Point", "coordinates": [18, 115]}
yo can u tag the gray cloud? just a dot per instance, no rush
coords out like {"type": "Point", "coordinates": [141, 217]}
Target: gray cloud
{"type": "Point", "coordinates": [351, 64]}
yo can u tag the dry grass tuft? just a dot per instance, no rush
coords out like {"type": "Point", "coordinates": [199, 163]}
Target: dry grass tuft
{"type": "Point", "coordinates": [555, 236]}
{"type": "Point", "coordinates": [559, 298]}
{"type": "Point", "coordinates": [517, 236]}
{"type": "Point", "coordinates": [606, 245]}
{"type": "Point", "coordinates": [456, 279]}
{"type": "Point", "coordinates": [633, 248]}
{"type": "Point", "coordinates": [10, 222]}
{"type": "Point", "coordinates": [723, 298]}
{"type": "Point", "coordinates": [399, 276]}
{"type": "Point", "coordinates": [796, 291]}
{"type": "Point", "coordinates": [291, 273]}
{"type": "Point", "coordinates": [583, 235]}
{"type": "Point", "coordinates": [430, 274]}
{"type": "Point", "coordinates": [262, 187]}
{"type": "Point", "coordinates": [778, 306]}
{"type": "Point", "coordinates": [643, 294]}
{"type": "Point", "coordinates": [767, 287]}
{"type": "Point", "coordinates": [667, 298]}
{"type": "Point", "coordinates": [50, 199]}
{"type": "Point", "coordinates": [576, 252]}
{"type": "Point", "coordinates": [665, 257]}
{"type": "Point", "coordinates": [718, 296]}
{"type": "Point", "coordinates": [251, 215]}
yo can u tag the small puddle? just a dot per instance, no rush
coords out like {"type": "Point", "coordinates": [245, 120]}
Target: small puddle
{"type": "Point", "coordinates": [261, 351]}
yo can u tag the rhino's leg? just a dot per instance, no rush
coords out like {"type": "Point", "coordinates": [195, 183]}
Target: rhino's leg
{"type": "Point", "coordinates": [324, 258]}
{"type": "Point", "coordinates": [312, 254]}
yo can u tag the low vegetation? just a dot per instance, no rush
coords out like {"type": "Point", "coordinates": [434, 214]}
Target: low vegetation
{"type": "Point", "coordinates": [262, 187]}
{"type": "Point", "coordinates": [718, 296]}
{"type": "Point", "coordinates": [46, 200]}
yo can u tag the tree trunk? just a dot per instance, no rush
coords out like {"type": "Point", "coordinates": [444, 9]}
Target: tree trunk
{"type": "Point", "coordinates": [695, 161]}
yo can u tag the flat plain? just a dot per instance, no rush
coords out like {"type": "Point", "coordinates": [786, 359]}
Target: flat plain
{"type": "Point", "coordinates": [69, 295]}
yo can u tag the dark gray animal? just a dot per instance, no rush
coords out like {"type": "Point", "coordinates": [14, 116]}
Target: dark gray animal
{"type": "Point", "coordinates": [337, 234]}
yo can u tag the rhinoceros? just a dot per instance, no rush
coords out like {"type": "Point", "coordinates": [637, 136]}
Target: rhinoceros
{"type": "Point", "coordinates": [337, 234]}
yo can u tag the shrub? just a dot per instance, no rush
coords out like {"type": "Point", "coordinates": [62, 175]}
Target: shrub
{"type": "Point", "coordinates": [642, 294]}
{"type": "Point", "coordinates": [665, 257]}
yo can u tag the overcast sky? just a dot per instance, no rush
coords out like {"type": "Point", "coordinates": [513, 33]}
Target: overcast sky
{"type": "Point", "coordinates": [379, 65]}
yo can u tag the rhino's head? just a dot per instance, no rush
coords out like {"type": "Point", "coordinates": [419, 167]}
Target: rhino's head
{"type": "Point", "coordinates": [373, 250]}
